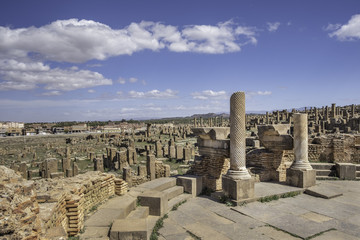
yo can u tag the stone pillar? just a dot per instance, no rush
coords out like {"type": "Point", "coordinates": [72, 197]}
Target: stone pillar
{"type": "Point", "coordinates": [127, 175]}
{"type": "Point", "coordinates": [148, 129]}
{"type": "Point", "coordinates": [301, 174]}
{"type": "Point", "coordinates": [238, 137]}
{"type": "Point", "coordinates": [179, 152]}
{"type": "Point", "coordinates": [333, 110]}
{"type": "Point", "coordinates": [150, 165]}
{"type": "Point", "coordinates": [237, 183]}
{"type": "Point", "coordinates": [267, 118]}
{"type": "Point", "coordinates": [142, 171]}
{"type": "Point", "coordinates": [158, 148]}
{"type": "Point", "coordinates": [352, 110]}
{"type": "Point", "coordinates": [301, 142]}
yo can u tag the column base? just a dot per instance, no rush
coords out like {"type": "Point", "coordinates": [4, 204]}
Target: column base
{"type": "Point", "coordinates": [300, 178]}
{"type": "Point", "coordinates": [238, 189]}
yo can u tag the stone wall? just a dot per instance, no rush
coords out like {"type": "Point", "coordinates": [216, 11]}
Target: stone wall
{"type": "Point", "coordinates": [214, 161]}
{"type": "Point", "coordinates": [335, 148]}
{"type": "Point", "coordinates": [19, 210]}
{"type": "Point", "coordinates": [33, 210]}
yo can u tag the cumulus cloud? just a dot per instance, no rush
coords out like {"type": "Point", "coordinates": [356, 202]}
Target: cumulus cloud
{"type": "Point", "coordinates": [52, 93]}
{"type": "Point", "coordinates": [261, 93]}
{"type": "Point", "coordinates": [79, 41]}
{"type": "Point", "coordinates": [156, 94]}
{"type": "Point", "coordinates": [272, 26]}
{"type": "Point", "coordinates": [209, 94]}
{"type": "Point", "coordinates": [24, 51]}
{"type": "Point", "coordinates": [91, 91]}
{"type": "Point", "coordinates": [26, 75]}
{"type": "Point", "coordinates": [346, 32]}
{"type": "Point", "coordinates": [122, 80]}
{"type": "Point", "coordinates": [133, 80]}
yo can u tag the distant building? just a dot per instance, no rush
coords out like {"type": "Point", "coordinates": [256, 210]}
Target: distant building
{"type": "Point", "coordinates": [78, 128]}
{"type": "Point", "coordinates": [11, 128]}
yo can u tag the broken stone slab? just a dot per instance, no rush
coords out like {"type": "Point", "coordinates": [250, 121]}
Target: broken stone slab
{"type": "Point", "coordinates": [214, 133]}
{"type": "Point", "coordinates": [276, 137]}
{"type": "Point", "coordinates": [324, 191]}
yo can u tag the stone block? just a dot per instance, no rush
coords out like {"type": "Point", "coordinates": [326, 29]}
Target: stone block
{"type": "Point", "coordinates": [172, 152]}
{"type": "Point", "coordinates": [127, 175]}
{"type": "Point", "coordinates": [301, 178]}
{"type": "Point", "coordinates": [156, 201]}
{"type": "Point", "coordinates": [191, 184]}
{"type": "Point", "coordinates": [346, 171]}
{"type": "Point", "coordinates": [129, 229]}
{"type": "Point", "coordinates": [238, 189]}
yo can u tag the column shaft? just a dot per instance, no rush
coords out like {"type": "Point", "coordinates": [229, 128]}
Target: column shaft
{"type": "Point", "coordinates": [238, 137]}
{"type": "Point", "coordinates": [301, 142]}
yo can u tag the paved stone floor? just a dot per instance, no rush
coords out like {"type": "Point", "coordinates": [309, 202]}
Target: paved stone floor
{"type": "Point", "coordinates": [298, 217]}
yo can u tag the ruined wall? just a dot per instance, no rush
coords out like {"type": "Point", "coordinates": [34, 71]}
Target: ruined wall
{"type": "Point", "coordinates": [19, 210]}
{"type": "Point", "coordinates": [268, 165]}
{"type": "Point", "coordinates": [213, 163]}
{"type": "Point", "coordinates": [33, 210]}
{"type": "Point", "coordinates": [335, 148]}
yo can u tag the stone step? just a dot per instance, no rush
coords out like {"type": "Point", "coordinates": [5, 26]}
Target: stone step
{"type": "Point", "coordinates": [326, 178]}
{"type": "Point", "coordinates": [322, 172]}
{"type": "Point", "coordinates": [323, 166]}
{"type": "Point", "coordinates": [115, 208]}
{"type": "Point", "coordinates": [177, 200]}
{"type": "Point", "coordinates": [129, 229]}
{"type": "Point", "coordinates": [358, 178]}
{"type": "Point", "coordinates": [357, 167]}
{"type": "Point", "coordinates": [357, 174]}
{"type": "Point", "coordinates": [155, 200]}
{"type": "Point", "coordinates": [159, 184]}
{"type": "Point", "coordinates": [174, 191]}
{"type": "Point", "coordinates": [139, 212]}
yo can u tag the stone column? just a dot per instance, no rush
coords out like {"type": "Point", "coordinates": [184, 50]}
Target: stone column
{"type": "Point", "coordinates": [237, 183]}
{"type": "Point", "coordinates": [301, 160]}
{"type": "Point", "coordinates": [301, 174]}
{"type": "Point", "coordinates": [238, 137]}
{"type": "Point", "coordinates": [333, 110]}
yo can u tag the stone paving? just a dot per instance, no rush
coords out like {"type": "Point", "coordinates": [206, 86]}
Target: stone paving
{"type": "Point", "coordinates": [299, 217]}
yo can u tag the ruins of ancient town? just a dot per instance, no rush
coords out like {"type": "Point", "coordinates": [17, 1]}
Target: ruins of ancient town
{"type": "Point", "coordinates": [203, 176]}
{"type": "Point", "coordinates": [179, 120]}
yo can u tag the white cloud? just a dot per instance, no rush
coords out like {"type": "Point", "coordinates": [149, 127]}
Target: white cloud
{"type": "Point", "coordinates": [156, 94]}
{"type": "Point", "coordinates": [346, 32]}
{"type": "Point", "coordinates": [209, 94]}
{"type": "Point", "coordinates": [133, 80]}
{"type": "Point", "coordinates": [91, 91]}
{"type": "Point", "coordinates": [52, 93]}
{"type": "Point", "coordinates": [26, 75]}
{"type": "Point", "coordinates": [79, 41]}
{"type": "Point", "coordinates": [143, 82]}
{"type": "Point", "coordinates": [261, 93]}
{"type": "Point", "coordinates": [122, 80]}
{"type": "Point", "coordinates": [272, 26]}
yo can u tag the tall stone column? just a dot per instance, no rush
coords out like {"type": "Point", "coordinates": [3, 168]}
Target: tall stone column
{"type": "Point", "coordinates": [301, 142]}
{"type": "Point", "coordinates": [301, 174]}
{"type": "Point", "coordinates": [333, 110]}
{"type": "Point", "coordinates": [237, 183]}
{"type": "Point", "coordinates": [238, 137]}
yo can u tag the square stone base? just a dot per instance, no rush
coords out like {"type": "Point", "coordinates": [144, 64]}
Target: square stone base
{"type": "Point", "coordinates": [300, 178]}
{"type": "Point", "coordinates": [238, 189]}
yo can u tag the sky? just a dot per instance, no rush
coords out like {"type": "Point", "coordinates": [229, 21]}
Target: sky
{"type": "Point", "coordinates": [90, 60]}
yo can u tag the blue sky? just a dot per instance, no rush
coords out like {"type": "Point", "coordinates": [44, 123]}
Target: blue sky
{"type": "Point", "coordinates": [109, 60]}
